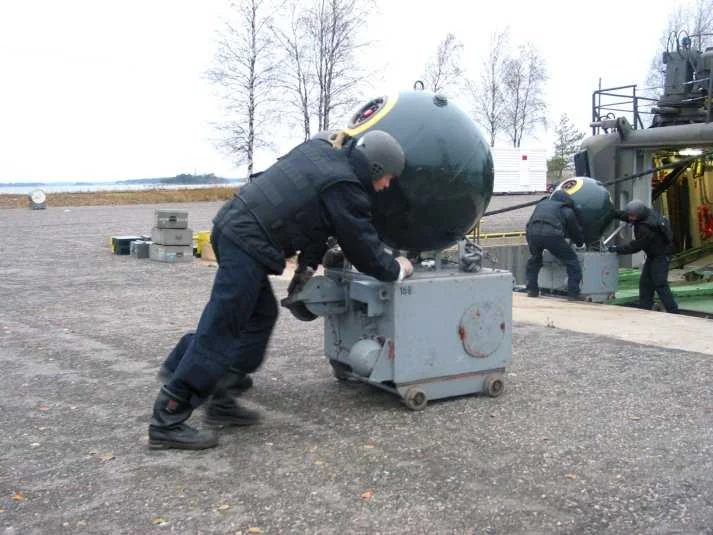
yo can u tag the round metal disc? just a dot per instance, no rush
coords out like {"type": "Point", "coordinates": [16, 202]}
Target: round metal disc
{"type": "Point", "coordinates": [482, 328]}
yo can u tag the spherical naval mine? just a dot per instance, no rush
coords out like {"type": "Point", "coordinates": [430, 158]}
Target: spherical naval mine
{"type": "Point", "coordinates": [448, 179]}
{"type": "Point", "coordinates": [592, 200]}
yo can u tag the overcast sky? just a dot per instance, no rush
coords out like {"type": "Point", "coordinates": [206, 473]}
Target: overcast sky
{"type": "Point", "coordinates": [95, 90]}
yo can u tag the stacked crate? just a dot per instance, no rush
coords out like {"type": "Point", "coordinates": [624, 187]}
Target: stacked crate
{"type": "Point", "coordinates": [121, 245]}
{"type": "Point", "coordinates": [140, 248]}
{"type": "Point", "coordinates": [172, 240]}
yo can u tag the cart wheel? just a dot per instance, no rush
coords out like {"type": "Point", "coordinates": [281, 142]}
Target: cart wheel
{"type": "Point", "coordinates": [415, 400]}
{"type": "Point", "coordinates": [340, 370]}
{"type": "Point", "coordinates": [494, 385]}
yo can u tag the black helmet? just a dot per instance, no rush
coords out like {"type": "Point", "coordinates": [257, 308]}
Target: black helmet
{"type": "Point", "coordinates": [383, 152]}
{"type": "Point", "coordinates": [637, 209]}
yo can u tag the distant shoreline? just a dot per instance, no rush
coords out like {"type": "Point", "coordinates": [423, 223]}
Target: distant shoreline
{"type": "Point", "coordinates": [115, 197]}
{"type": "Point", "coordinates": [179, 180]}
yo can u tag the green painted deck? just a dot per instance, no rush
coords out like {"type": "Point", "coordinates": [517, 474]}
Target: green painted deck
{"type": "Point", "coordinates": [692, 296]}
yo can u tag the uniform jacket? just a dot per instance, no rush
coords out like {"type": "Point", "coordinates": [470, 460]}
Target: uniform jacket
{"type": "Point", "coordinates": [311, 193]}
{"type": "Point", "coordinates": [556, 216]}
{"type": "Point", "coordinates": [647, 236]}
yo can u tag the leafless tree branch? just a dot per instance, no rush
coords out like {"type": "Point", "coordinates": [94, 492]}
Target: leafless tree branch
{"type": "Point", "coordinates": [523, 86]}
{"type": "Point", "coordinates": [245, 71]}
{"type": "Point", "coordinates": [443, 70]}
{"type": "Point", "coordinates": [486, 93]}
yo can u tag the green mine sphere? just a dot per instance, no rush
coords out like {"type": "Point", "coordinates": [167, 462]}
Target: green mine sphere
{"type": "Point", "coordinates": [593, 203]}
{"type": "Point", "coordinates": [448, 180]}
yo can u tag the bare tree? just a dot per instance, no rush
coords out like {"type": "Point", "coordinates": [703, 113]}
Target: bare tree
{"type": "Point", "coordinates": [296, 76]}
{"type": "Point", "coordinates": [334, 28]}
{"type": "Point", "coordinates": [245, 71]}
{"type": "Point", "coordinates": [443, 70]}
{"type": "Point", "coordinates": [487, 92]}
{"type": "Point", "coordinates": [694, 18]}
{"type": "Point", "coordinates": [523, 91]}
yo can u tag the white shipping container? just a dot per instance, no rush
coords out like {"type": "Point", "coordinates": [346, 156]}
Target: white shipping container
{"type": "Point", "coordinates": [519, 170]}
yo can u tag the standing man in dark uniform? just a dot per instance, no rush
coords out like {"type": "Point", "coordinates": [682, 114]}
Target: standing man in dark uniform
{"type": "Point", "coordinates": [551, 224]}
{"type": "Point", "coordinates": [308, 195]}
{"type": "Point", "coordinates": [653, 236]}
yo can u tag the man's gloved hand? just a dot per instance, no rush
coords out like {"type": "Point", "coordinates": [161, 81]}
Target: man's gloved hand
{"type": "Point", "coordinates": [613, 249]}
{"type": "Point", "coordinates": [406, 267]}
{"type": "Point", "coordinates": [333, 258]}
{"type": "Point", "coordinates": [297, 284]}
{"type": "Point", "coordinates": [621, 215]}
{"type": "Point", "coordinates": [299, 280]}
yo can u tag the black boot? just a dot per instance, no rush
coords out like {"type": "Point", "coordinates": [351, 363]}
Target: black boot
{"type": "Point", "coordinates": [168, 430]}
{"type": "Point", "coordinates": [222, 409]}
{"type": "Point", "coordinates": [236, 382]}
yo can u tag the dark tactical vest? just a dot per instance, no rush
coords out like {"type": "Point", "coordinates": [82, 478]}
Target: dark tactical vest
{"type": "Point", "coordinates": [285, 199]}
{"type": "Point", "coordinates": [662, 242]}
{"type": "Point", "coordinates": [548, 211]}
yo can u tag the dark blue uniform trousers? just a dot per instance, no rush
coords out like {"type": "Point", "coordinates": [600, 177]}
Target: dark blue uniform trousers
{"type": "Point", "coordinates": [234, 329]}
{"type": "Point", "coordinates": [558, 246]}
{"type": "Point", "coordinates": [176, 355]}
{"type": "Point", "coordinates": [654, 278]}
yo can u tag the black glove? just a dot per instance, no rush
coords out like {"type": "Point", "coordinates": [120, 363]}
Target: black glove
{"type": "Point", "coordinates": [299, 280]}
{"type": "Point", "coordinates": [333, 258]}
{"type": "Point", "coordinates": [613, 249]}
{"type": "Point", "coordinates": [621, 215]}
{"type": "Point", "coordinates": [297, 284]}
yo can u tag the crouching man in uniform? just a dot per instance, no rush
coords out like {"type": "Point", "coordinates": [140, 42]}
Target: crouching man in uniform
{"type": "Point", "coordinates": [551, 224]}
{"type": "Point", "coordinates": [313, 192]}
{"type": "Point", "coordinates": [653, 236]}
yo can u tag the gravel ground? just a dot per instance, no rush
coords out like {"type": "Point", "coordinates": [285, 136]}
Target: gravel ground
{"type": "Point", "coordinates": [592, 435]}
